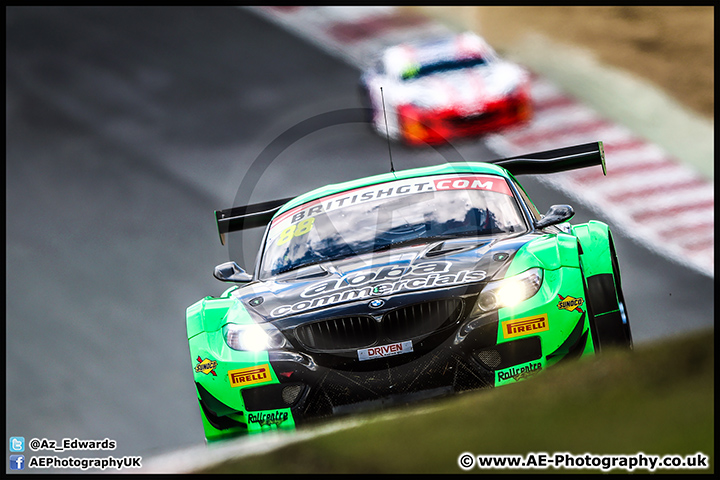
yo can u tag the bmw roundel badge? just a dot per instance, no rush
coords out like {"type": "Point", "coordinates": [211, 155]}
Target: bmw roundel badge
{"type": "Point", "coordinates": [377, 303]}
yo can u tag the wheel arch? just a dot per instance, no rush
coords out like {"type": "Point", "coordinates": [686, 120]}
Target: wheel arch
{"type": "Point", "coordinates": [595, 240]}
{"type": "Point", "coordinates": [606, 305]}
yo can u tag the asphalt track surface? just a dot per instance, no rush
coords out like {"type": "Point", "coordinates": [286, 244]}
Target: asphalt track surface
{"type": "Point", "coordinates": [126, 128]}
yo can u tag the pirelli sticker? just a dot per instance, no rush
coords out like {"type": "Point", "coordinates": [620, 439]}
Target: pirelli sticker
{"type": "Point", "coordinates": [525, 326]}
{"type": "Point", "coordinates": [249, 376]}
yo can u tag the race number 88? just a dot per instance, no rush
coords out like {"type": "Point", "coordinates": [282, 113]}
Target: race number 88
{"type": "Point", "coordinates": [296, 230]}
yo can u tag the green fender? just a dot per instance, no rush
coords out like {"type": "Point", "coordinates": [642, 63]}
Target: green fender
{"type": "Point", "coordinates": [594, 238]}
{"type": "Point", "coordinates": [208, 314]}
{"type": "Point", "coordinates": [549, 252]}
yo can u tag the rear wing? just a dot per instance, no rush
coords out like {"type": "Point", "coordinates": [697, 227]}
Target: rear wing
{"type": "Point", "coordinates": [550, 161]}
{"type": "Point", "coordinates": [554, 161]}
{"type": "Point", "coordinates": [249, 216]}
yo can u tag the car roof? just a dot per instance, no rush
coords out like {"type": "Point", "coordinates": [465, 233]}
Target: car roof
{"type": "Point", "coordinates": [447, 168]}
{"type": "Point", "coordinates": [400, 57]}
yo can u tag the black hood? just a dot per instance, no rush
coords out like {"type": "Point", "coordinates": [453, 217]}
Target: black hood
{"type": "Point", "coordinates": [371, 280]}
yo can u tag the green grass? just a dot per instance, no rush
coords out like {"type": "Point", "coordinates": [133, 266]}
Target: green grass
{"type": "Point", "coordinates": [658, 400]}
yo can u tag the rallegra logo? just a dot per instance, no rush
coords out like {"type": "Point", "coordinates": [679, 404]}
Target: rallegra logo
{"type": "Point", "coordinates": [385, 350]}
{"type": "Point", "coordinates": [525, 326]}
{"type": "Point", "coordinates": [570, 303]}
{"type": "Point", "coordinates": [249, 376]}
{"type": "Point", "coordinates": [519, 373]}
{"type": "Point", "coordinates": [268, 418]}
{"type": "Point", "coordinates": [206, 366]}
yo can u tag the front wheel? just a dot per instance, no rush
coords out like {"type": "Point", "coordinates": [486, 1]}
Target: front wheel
{"type": "Point", "coordinates": [608, 311]}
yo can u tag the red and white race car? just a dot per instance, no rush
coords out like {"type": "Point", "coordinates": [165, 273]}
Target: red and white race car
{"type": "Point", "coordinates": [438, 90]}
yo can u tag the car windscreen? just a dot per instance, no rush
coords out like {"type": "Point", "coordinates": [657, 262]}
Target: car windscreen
{"type": "Point", "coordinates": [418, 71]}
{"type": "Point", "coordinates": [389, 215]}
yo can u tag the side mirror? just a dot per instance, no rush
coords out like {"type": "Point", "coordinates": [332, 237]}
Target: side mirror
{"type": "Point", "coordinates": [556, 214]}
{"type": "Point", "coordinates": [231, 272]}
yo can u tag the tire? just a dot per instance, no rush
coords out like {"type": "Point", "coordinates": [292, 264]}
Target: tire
{"type": "Point", "coordinates": [608, 312]}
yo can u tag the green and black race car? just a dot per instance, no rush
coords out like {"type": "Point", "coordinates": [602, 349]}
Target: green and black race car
{"type": "Point", "coordinates": [400, 287]}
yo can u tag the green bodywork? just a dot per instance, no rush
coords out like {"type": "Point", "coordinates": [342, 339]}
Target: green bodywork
{"type": "Point", "coordinates": [558, 308]}
{"type": "Point", "coordinates": [205, 320]}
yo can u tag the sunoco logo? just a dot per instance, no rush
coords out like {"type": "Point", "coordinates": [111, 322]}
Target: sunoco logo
{"type": "Point", "coordinates": [570, 303]}
{"type": "Point", "coordinates": [206, 366]}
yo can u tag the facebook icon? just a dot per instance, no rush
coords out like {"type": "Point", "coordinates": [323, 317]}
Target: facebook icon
{"type": "Point", "coordinates": [17, 462]}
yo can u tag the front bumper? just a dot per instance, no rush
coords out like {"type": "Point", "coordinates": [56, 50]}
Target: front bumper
{"type": "Point", "coordinates": [435, 127]}
{"type": "Point", "coordinates": [305, 390]}
{"type": "Point", "coordinates": [254, 392]}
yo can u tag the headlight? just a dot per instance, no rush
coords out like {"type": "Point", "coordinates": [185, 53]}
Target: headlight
{"type": "Point", "coordinates": [510, 291]}
{"type": "Point", "coordinates": [253, 338]}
